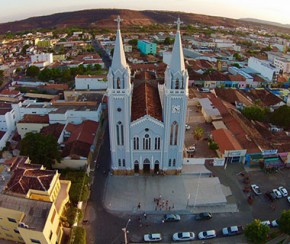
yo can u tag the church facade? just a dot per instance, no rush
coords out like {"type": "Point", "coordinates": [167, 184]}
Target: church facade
{"type": "Point", "coordinates": [147, 119]}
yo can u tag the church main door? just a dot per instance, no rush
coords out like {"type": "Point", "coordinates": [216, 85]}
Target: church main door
{"type": "Point", "coordinates": [146, 166]}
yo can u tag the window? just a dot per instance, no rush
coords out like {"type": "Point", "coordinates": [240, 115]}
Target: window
{"type": "Point", "coordinates": [136, 143]}
{"type": "Point", "coordinates": [169, 163]}
{"type": "Point", "coordinates": [174, 162]}
{"type": "Point", "coordinates": [35, 241]}
{"type": "Point", "coordinates": [173, 133]}
{"type": "Point", "coordinates": [146, 142]}
{"type": "Point", "coordinates": [177, 83]}
{"type": "Point", "coordinates": [12, 220]}
{"type": "Point", "coordinates": [119, 162]}
{"type": "Point", "coordinates": [124, 163]}
{"type": "Point", "coordinates": [52, 217]}
{"type": "Point", "coordinates": [50, 235]}
{"type": "Point", "coordinates": [118, 83]}
{"type": "Point", "coordinates": [120, 133]}
{"type": "Point", "coordinates": [157, 143]}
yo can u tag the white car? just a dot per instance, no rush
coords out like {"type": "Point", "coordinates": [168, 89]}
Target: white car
{"type": "Point", "coordinates": [256, 189]}
{"type": "Point", "coordinates": [190, 149]}
{"type": "Point", "coordinates": [183, 236]}
{"type": "Point", "coordinates": [266, 222]}
{"type": "Point", "coordinates": [283, 191]}
{"type": "Point", "coordinates": [230, 231]}
{"type": "Point", "coordinates": [206, 234]}
{"type": "Point", "coordinates": [277, 193]}
{"type": "Point", "coordinates": [274, 223]}
{"type": "Point", "coordinates": [288, 198]}
{"type": "Point", "coordinates": [155, 237]}
{"type": "Point", "coordinates": [187, 127]}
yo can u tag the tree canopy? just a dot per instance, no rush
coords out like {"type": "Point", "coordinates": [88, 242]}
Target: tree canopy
{"type": "Point", "coordinates": [254, 113]}
{"type": "Point", "coordinates": [32, 71]}
{"type": "Point", "coordinates": [257, 232]}
{"type": "Point", "coordinates": [41, 149]}
{"type": "Point", "coordinates": [284, 222]}
{"type": "Point", "coordinates": [281, 117]}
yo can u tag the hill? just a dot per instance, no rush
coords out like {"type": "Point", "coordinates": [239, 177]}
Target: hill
{"type": "Point", "coordinates": [265, 22]}
{"type": "Point", "coordinates": [103, 18]}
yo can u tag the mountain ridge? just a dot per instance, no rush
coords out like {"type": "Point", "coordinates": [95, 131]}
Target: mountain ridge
{"type": "Point", "coordinates": [104, 18]}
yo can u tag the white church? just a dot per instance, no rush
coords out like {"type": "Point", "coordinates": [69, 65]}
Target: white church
{"type": "Point", "coordinates": [147, 119]}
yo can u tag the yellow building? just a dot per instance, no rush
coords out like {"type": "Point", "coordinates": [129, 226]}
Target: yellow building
{"type": "Point", "coordinates": [33, 202]}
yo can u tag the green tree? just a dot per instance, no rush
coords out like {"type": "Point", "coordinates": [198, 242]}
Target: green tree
{"type": "Point", "coordinates": [281, 117]}
{"type": "Point", "coordinates": [256, 232]}
{"type": "Point", "coordinates": [254, 113]}
{"type": "Point", "coordinates": [168, 41]}
{"type": "Point", "coordinates": [78, 235]}
{"type": "Point", "coordinates": [133, 42]}
{"type": "Point", "coordinates": [32, 71]}
{"type": "Point", "coordinates": [73, 214]}
{"type": "Point", "coordinates": [284, 222]}
{"type": "Point", "coordinates": [41, 149]}
{"type": "Point", "coordinates": [198, 132]}
{"type": "Point", "coordinates": [45, 75]}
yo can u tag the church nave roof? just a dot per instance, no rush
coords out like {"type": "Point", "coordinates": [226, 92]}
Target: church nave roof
{"type": "Point", "coordinates": [146, 101]}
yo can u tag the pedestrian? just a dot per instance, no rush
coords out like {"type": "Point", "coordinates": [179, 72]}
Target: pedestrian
{"type": "Point", "coordinates": [173, 206]}
{"type": "Point", "coordinates": [139, 205]}
{"type": "Point", "coordinates": [145, 216]}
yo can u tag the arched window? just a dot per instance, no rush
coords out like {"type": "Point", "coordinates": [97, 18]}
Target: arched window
{"type": "Point", "coordinates": [136, 143]}
{"type": "Point", "coordinates": [174, 162]}
{"type": "Point", "coordinates": [118, 83]}
{"type": "Point", "coordinates": [120, 133]}
{"type": "Point", "coordinates": [124, 163]}
{"type": "Point", "coordinates": [146, 142]}
{"type": "Point", "coordinates": [173, 133]}
{"type": "Point", "coordinates": [177, 83]}
{"type": "Point", "coordinates": [119, 162]}
{"type": "Point", "coordinates": [157, 143]}
{"type": "Point", "coordinates": [169, 163]}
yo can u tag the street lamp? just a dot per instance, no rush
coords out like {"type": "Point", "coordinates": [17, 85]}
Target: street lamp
{"type": "Point", "coordinates": [125, 231]}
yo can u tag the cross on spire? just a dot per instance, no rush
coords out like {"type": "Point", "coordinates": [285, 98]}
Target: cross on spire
{"type": "Point", "coordinates": [118, 20]}
{"type": "Point", "coordinates": [178, 22]}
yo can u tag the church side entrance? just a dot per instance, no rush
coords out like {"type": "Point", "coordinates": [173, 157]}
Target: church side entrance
{"type": "Point", "coordinates": [136, 167]}
{"type": "Point", "coordinates": [146, 166]}
{"type": "Point", "coordinates": [156, 167]}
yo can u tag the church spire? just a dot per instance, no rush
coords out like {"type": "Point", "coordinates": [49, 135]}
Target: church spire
{"type": "Point", "coordinates": [177, 58]}
{"type": "Point", "coordinates": [119, 59]}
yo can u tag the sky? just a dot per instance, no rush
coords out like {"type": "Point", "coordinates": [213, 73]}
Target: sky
{"type": "Point", "coordinates": [272, 10]}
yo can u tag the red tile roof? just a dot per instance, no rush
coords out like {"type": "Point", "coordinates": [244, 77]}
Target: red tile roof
{"type": "Point", "coordinates": [53, 129]}
{"type": "Point", "coordinates": [225, 139]}
{"type": "Point", "coordinates": [146, 101]}
{"type": "Point", "coordinates": [28, 176]}
{"type": "Point", "coordinates": [35, 118]}
{"type": "Point", "coordinates": [81, 138]}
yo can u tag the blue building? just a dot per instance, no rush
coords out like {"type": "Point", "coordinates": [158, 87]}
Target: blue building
{"type": "Point", "coordinates": [147, 120]}
{"type": "Point", "coordinates": [146, 47]}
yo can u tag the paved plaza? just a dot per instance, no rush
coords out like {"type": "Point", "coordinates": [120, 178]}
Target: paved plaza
{"type": "Point", "coordinates": [186, 192]}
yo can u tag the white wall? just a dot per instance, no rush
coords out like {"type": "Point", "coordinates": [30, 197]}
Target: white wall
{"type": "Point", "coordinates": [90, 83]}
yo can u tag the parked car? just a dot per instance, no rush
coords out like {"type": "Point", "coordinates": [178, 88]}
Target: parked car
{"type": "Point", "coordinates": [187, 127]}
{"type": "Point", "coordinates": [171, 218]}
{"type": "Point", "coordinates": [206, 234]}
{"type": "Point", "coordinates": [277, 193]}
{"type": "Point", "coordinates": [270, 195]}
{"type": "Point", "coordinates": [256, 189]}
{"type": "Point", "coordinates": [288, 198]}
{"type": "Point", "coordinates": [266, 222]}
{"type": "Point", "coordinates": [190, 149]}
{"type": "Point", "coordinates": [232, 230]}
{"type": "Point", "coordinates": [283, 191]}
{"type": "Point", "coordinates": [183, 236]}
{"type": "Point", "coordinates": [155, 237]}
{"type": "Point", "coordinates": [274, 223]}
{"type": "Point", "coordinates": [203, 216]}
